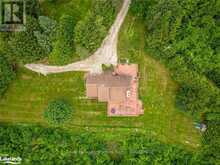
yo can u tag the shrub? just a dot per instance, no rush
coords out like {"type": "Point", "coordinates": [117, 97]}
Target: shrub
{"type": "Point", "coordinates": [107, 67]}
{"type": "Point", "coordinates": [90, 32]}
{"type": "Point", "coordinates": [48, 25]}
{"type": "Point", "coordinates": [43, 41]}
{"type": "Point", "coordinates": [23, 46]}
{"type": "Point", "coordinates": [58, 111]}
{"type": "Point", "coordinates": [47, 35]}
{"type": "Point", "coordinates": [6, 74]}
{"type": "Point", "coordinates": [33, 8]}
{"type": "Point", "coordinates": [63, 47]}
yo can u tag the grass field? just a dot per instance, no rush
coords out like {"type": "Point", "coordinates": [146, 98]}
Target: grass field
{"type": "Point", "coordinates": [27, 97]}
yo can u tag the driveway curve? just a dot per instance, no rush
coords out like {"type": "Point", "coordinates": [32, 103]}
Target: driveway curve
{"type": "Point", "coordinates": [106, 54]}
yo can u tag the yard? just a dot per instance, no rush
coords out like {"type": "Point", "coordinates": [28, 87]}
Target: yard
{"type": "Point", "coordinates": [27, 97]}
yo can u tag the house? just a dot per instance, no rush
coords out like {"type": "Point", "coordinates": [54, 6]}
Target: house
{"type": "Point", "coordinates": [119, 88]}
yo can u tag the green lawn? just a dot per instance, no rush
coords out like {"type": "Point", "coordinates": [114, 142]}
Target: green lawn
{"type": "Point", "coordinates": [27, 97]}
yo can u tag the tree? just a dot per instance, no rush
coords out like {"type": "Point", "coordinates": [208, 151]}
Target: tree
{"type": "Point", "coordinates": [33, 8]}
{"type": "Point", "coordinates": [63, 47]}
{"type": "Point", "coordinates": [139, 8]}
{"type": "Point", "coordinates": [43, 41]}
{"type": "Point", "coordinates": [46, 36]}
{"type": "Point", "coordinates": [48, 26]}
{"type": "Point", "coordinates": [90, 31]}
{"type": "Point", "coordinates": [23, 46]}
{"type": "Point", "coordinates": [6, 74]}
{"type": "Point", "coordinates": [58, 111]}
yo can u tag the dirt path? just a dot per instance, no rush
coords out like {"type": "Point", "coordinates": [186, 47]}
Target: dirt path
{"type": "Point", "coordinates": [106, 54]}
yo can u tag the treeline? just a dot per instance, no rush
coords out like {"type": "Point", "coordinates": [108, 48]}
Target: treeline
{"type": "Point", "coordinates": [185, 35]}
{"type": "Point", "coordinates": [38, 145]}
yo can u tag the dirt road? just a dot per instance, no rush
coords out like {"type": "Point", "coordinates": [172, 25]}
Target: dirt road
{"type": "Point", "coordinates": [106, 54]}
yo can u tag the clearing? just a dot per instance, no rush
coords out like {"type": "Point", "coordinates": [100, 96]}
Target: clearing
{"type": "Point", "coordinates": [27, 97]}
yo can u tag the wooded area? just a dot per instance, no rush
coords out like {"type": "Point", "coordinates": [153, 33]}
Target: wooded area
{"type": "Point", "coordinates": [37, 145]}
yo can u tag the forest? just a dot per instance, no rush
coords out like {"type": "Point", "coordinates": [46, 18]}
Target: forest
{"type": "Point", "coordinates": [184, 35]}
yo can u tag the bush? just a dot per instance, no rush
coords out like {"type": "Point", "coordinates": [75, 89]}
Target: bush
{"type": "Point", "coordinates": [23, 46]}
{"type": "Point", "coordinates": [63, 47]}
{"type": "Point", "coordinates": [43, 41]}
{"type": "Point", "coordinates": [46, 36]}
{"type": "Point", "coordinates": [6, 74]}
{"type": "Point", "coordinates": [58, 111]}
{"type": "Point", "coordinates": [48, 25]}
{"type": "Point", "coordinates": [139, 8]}
{"type": "Point", "coordinates": [107, 67]}
{"type": "Point", "coordinates": [33, 8]}
{"type": "Point", "coordinates": [91, 31]}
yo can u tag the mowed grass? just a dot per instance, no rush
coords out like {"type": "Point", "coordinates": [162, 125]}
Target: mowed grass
{"type": "Point", "coordinates": [27, 97]}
